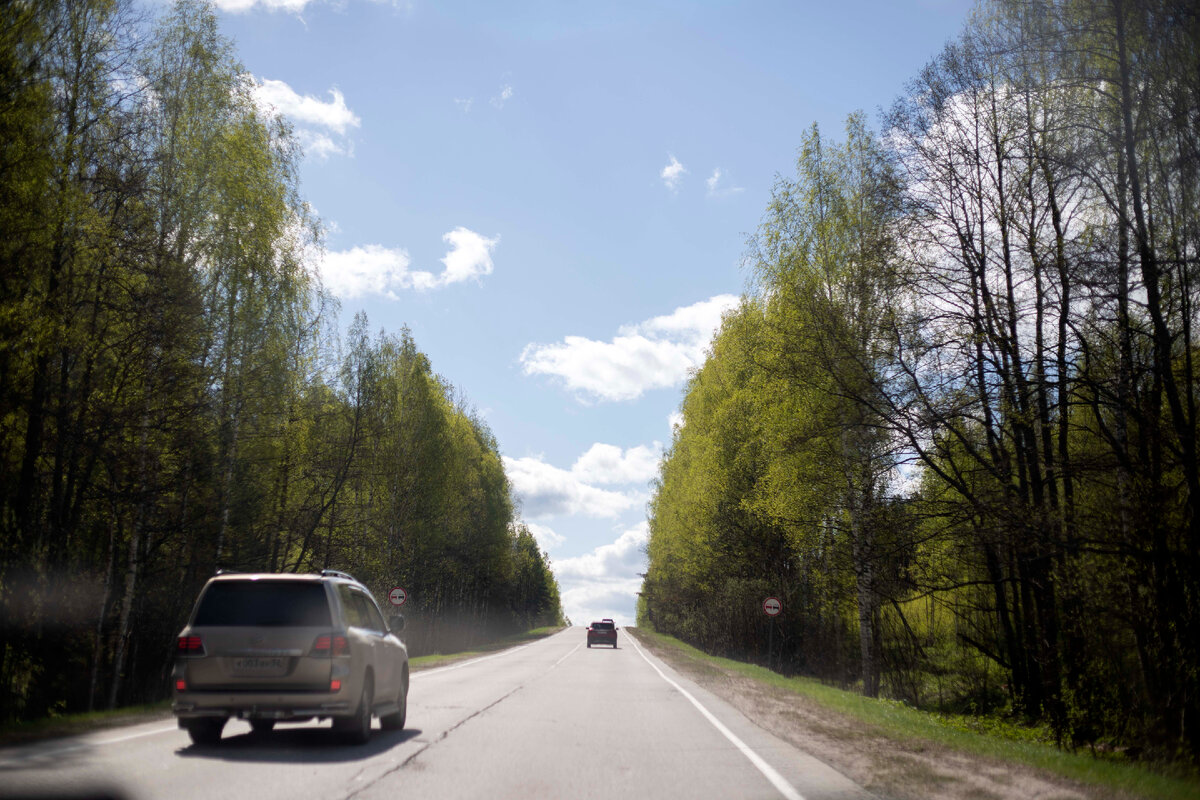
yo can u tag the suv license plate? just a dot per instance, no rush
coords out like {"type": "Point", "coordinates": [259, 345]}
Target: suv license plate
{"type": "Point", "coordinates": [259, 666]}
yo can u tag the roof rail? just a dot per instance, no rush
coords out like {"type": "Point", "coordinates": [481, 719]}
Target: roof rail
{"type": "Point", "coordinates": [335, 573]}
{"type": "Point", "coordinates": [228, 572]}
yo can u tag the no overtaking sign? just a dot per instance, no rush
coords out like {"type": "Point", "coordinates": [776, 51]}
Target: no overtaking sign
{"type": "Point", "coordinates": [772, 607]}
{"type": "Point", "coordinates": [397, 596]}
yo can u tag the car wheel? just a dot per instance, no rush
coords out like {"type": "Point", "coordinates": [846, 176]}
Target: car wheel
{"type": "Point", "coordinates": [262, 727]}
{"type": "Point", "coordinates": [357, 729]}
{"type": "Point", "coordinates": [589, 644]}
{"type": "Point", "coordinates": [395, 722]}
{"type": "Point", "coordinates": [206, 730]}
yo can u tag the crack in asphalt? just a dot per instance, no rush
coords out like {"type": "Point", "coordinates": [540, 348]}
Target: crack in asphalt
{"type": "Point", "coordinates": [446, 733]}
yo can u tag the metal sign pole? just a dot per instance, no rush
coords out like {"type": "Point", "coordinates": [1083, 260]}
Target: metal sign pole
{"type": "Point", "coordinates": [770, 641]}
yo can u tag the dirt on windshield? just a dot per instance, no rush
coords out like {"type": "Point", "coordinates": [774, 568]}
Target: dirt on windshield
{"type": "Point", "coordinates": [890, 769]}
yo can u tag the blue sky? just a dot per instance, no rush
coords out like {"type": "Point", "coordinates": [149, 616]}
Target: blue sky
{"type": "Point", "coordinates": [555, 197]}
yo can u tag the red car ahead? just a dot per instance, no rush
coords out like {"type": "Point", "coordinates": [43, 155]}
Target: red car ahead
{"type": "Point", "coordinates": [602, 632]}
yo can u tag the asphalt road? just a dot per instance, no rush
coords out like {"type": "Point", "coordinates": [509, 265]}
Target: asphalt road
{"type": "Point", "coordinates": [550, 719]}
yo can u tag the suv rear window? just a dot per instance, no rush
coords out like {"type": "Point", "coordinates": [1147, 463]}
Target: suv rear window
{"type": "Point", "coordinates": [602, 626]}
{"type": "Point", "coordinates": [267, 604]}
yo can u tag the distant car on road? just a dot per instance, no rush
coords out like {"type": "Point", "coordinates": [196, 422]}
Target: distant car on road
{"type": "Point", "coordinates": [271, 648]}
{"type": "Point", "coordinates": [602, 632]}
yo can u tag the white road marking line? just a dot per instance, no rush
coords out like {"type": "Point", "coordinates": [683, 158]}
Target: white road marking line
{"type": "Point", "coordinates": [129, 736]}
{"type": "Point", "coordinates": [777, 780]}
{"type": "Point", "coordinates": [23, 755]}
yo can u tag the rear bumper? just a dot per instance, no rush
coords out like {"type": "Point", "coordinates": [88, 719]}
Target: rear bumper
{"type": "Point", "coordinates": [242, 699]}
{"type": "Point", "coordinates": [197, 705]}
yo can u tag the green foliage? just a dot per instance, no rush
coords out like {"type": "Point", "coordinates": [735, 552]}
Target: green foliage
{"type": "Point", "coordinates": [954, 427]}
{"type": "Point", "coordinates": [172, 395]}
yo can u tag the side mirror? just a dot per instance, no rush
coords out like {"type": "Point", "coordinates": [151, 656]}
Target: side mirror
{"type": "Point", "coordinates": [396, 623]}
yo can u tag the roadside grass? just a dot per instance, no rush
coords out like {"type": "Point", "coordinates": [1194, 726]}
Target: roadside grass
{"type": "Point", "coordinates": [74, 724]}
{"type": "Point", "coordinates": [988, 737]}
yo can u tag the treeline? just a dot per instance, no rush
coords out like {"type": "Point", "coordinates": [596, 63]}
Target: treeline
{"type": "Point", "coordinates": [174, 397]}
{"type": "Point", "coordinates": [953, 426]}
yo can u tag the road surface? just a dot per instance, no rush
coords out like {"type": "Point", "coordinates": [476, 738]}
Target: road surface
{"type": "Point", "coordinates": [549, 719]}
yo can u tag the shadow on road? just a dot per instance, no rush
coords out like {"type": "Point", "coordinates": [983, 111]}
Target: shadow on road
{"type": "Point", "coordinates": [292, 745]}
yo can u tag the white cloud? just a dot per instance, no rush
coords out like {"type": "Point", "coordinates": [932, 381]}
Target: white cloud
{"type": "Point", "coordinates": [620, 560]}
{"type": "Point", "coordinates": [239, 6]}
{"type": "Point", "coordinates": [654, 354]}
{"type": "Point", "coordinates": [672, 173]}
{"type": "Point", "coordinates": [713, 180]}
{"type": "Point", "coordinates": [547, 538]}
{"type": "Point", "coordinates": [606, 463]}
{"type": "Point", "coordinates": [605, 582]}
{"type": "Point", "coordinates": [506, 93]}
{"type": "Point", "coordinates": [546, 490]}
{"type": "Point", "coordinates": [675, 420]}
{"type": "Point", "coordinates": [365, 270]}
{"type": "Point", "coordinates": [622, 369]}
{"type": "Point", "coordinates": [293, 6]}
{"type": "Point", "coordinates": [374, 269]}
{"type": "Point", "coordinates": [470, 256]}
{"type": "Point", "coordinates": [319, 145]}
{"type": "Point", "coordinates": [315, 119]}
{"type": "Point", "coordinates": [306, 109]}
{"type": "Point", "coordinates": [716, 190]}
{"type": "Point", "coordinates": [464, 103]}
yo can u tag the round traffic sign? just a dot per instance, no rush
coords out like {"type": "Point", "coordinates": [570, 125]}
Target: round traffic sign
{"type": "Point", "coordinates": [397, 596]}
{"type": "Point", "coordinates": [772, 607]}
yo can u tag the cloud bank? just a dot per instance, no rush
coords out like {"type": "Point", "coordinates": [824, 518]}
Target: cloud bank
{"type": "Point", "coordinates": [547, 491]}
{"type": "Point", "coordinates": [606, 463]}
{"type": "Point", "coordinates": [605, 582]}
{"type": "Point", "coordinates": [655, 354]}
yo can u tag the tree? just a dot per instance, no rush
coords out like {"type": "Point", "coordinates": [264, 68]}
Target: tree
{"type": "Point", "coordinates": [826, 260]}
{"type": "Point", "coordinates": [172, 398]}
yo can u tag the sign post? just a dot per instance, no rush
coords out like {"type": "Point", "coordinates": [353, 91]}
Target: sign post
{"type": "Point", "coordinates": [397, 596]}
{"type": "Point", "coordinates": [772, 607]}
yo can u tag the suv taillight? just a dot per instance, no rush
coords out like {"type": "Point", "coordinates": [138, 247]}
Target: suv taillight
{"type": "Point", "coordinates": [190, 646]}
{"type": "Point", "coordinates": [327, 645]}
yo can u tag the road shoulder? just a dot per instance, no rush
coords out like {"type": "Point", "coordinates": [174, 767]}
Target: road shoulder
{"type": "Point", "coordinates": [904, 770]}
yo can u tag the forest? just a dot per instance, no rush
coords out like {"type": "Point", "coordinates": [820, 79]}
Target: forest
{"type": "Point", "coordinates": [952, 425]}
{"type": "Point", "coordinates": [175, 394]}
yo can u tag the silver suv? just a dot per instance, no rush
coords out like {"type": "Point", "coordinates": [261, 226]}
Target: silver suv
{"type": "Point", "coordinates": [273, 648]}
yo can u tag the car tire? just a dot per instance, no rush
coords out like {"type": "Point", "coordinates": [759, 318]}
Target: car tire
{"type": "Point", "coordinates": [395, 722]}
{"type": "Point", "coordinates": [206, 730]}
{"type": "Point", "coordinates": [589, 645]}
{"type": "Point", "coordinates": [261, 727]}
{"type": "Point", "coordinates": [357, 729]}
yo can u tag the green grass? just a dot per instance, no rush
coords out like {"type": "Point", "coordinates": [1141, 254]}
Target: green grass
{"type": "Point", "coordinates": [987, 737]}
